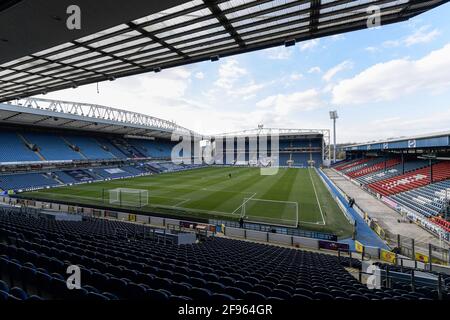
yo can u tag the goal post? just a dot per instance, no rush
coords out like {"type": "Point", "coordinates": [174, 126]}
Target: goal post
{"type": "Point", "coordinates": [128, 197]}
{"type": "Point", "coordinates": [274, 212]}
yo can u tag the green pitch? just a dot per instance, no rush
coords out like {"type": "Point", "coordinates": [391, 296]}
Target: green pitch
{"type": "Point", "coordinates": [290, 196]}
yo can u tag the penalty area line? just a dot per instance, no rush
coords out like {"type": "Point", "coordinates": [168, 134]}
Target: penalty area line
{"type": "Point", "coordinates": [254, 194]}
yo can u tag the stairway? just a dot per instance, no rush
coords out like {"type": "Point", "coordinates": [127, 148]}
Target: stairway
{"type": "Point", "coordinates": [29, 144]}
{"type": "Point", "coordinates": [70, 145]}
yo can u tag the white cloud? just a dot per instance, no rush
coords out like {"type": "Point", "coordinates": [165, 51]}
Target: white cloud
{"type": "Point", "coordinates": [328, 76]}
{"type": "Point", "coordinates": [315, 70]}
{"type": "Point", "coordinates": [297, 101]}
{"type": "Point", "coordinates": [295, 76]}
{"type": "Point", "coordinates": [234, 81]}
{"type": "Point", "coordinates": [247, 91]}
{"type": "Point", "coordinates": [372, 49]}
{"type": "Point", "coordinates": [229, 73]}
{"type": "Point", "coordinates": [309, 45]}
{"type": "Point", "coordinates": [396, 78]}
{"type": "Point", "coordinates": [391, 43]}
{"type": "Point", "coordinates": [422, 35]}
{"type": "Point", "coordinates": [199, 75]}
{"type": "Point", "coordinates": [279, 53]}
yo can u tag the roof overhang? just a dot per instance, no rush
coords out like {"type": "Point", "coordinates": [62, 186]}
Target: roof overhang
{"type": "Point", "coordinates": [41, 55]}
{"type": "Point", "coordinates": [431, 140]}
{"type": "Point", "coordinates": [275, 132]}
{"type": "Point", "coordinates": [86, 117]}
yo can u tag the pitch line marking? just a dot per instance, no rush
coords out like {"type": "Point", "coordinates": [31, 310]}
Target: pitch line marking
{"type": "Point", "coordinates": [181, 202]}
{"type": "Point", "coordinates": [317, 198]}
{"type": "Point", "coordinates": [254, 194]}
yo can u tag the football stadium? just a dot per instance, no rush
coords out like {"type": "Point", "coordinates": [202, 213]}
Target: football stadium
{"type": "Point", "coordinates": [104, 202]}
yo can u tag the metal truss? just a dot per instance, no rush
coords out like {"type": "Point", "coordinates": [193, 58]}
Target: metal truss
{"type": "Point", "coordinates": [92, 112]}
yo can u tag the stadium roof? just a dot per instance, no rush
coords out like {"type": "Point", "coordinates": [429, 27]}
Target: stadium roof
{"type": "Point", "coordinates": [432, 140]}
{"type": "Point", "coordinates": [281, 132]}
{"type": "Point", "coordinates": [87, 117]}
{"type": "Point", "coordinates": [42, 55]}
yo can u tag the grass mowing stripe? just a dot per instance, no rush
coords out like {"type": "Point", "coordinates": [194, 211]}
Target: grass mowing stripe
{"type": "Point", "coordinates": [210, 193]}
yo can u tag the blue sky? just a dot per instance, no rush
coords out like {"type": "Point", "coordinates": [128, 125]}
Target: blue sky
{"type": "Point", "coordinates": [386, 82]}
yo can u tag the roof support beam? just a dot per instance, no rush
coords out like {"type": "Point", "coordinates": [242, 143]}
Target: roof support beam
{"type": "Point", "coordinates": [314, 15]}
{"type": "Point", "coordinates": [42, 120]}
{"type": "Point", "coordinates": [49, 61]}
{"type": "Point", "coordinates": [220, 16]}
{"type": "Point", "coordinates": [10, 117]}
{"type": "Point", "coordinates": [104, 53]}
{"type": "Point", "coordinates": [154, 38]}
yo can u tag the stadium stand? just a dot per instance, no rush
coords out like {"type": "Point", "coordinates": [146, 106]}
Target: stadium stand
{"type": "Point", "coordinates": [27, 180]}
{"type": "Point", "coordinates": [300, 152]}
{"type": "Point", "coordinates": [13, 149]}
{"type": "Point", "coordinates": [127, 148]}
{"type": "Point", "coordinates": [89, 147]}
{"type": "Point", "coordinates": [442, 223]}
{"type": "Point", "coordinates": [65, 178]}
{"type": "Point", "coordinates": [58, 177]}
{"type": "Point", "coordinates": [351, 164]}
{"type": "Point", "coordinates": [35, 253]}
{"type": "Point", "coordinates": [393, 171]}
{"type": "Point", "coordinates": [52, 146]}
{"type": "Point", "coordinates": [373, 168]}
{"type": "Point", "coordinates": [411, 180]}
{"type": "Point", "coordinates": [152, 148]}
{"type": "Point", "coordinates": [111, 172]}
{"type": "Point", "coordinates": [362, 165]}
{"type": "Point", "coordinates": [108, 146]}
{"type": "Point", "coordinates": [425, 287]}
{"type": "Point", "coordinates": [429, 200]}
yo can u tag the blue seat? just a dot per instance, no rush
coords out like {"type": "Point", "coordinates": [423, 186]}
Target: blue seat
{"type": "Point", "coordinates": [156, 295]}
{"type": "Point", "coordinates": [3, 286]}
{"type": "Point", "coordinates": [323, 296]}
{"type": "Point", "coordinates": [244, 285]}
{"type": "Point", "coordinates": [235, 292]}
{"type": "Point", "coordinates": [89, 288]}
{"type": "Point", "coordinates": [59, 288]}
{"type": "Point", "coordinates": [301, 297]}
{"type": "Point", "coordinates": [180, 289]}
{"type": "Point", "coordinates": [42, 281]}
{"type": "Point", "coordinates": [254, 296]}
{"type": "Point", "coordinates": [200, 293]}
{"type": "Point", "coordinates": [18, 293]}
{"type": "Point", "coordinates": [342, 299]}
{"type": "Point", "coordinates": [110, 296]}
{"type": "Point", "coordinates": [135, 291]}
{"type": "Point", "coordinates": [219, 297]}
{"type": "Point", "coordinates": [197, 282]}
{"type": "Point", "coordinates": [358, 297]}
{"type": "Point", "coordinates": [96, 296]}
{"type": "Point", "coordinates": [215, 287]}
{"type": "Point", "coordinates": [15, 271]}
{"type": "Point", "coordinates": [117, 285]}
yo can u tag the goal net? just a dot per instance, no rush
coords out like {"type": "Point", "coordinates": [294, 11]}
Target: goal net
{"type": "Point", "coordinates": [128, 197]}
{"type": "Point", "coordinates": [272, 212]}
